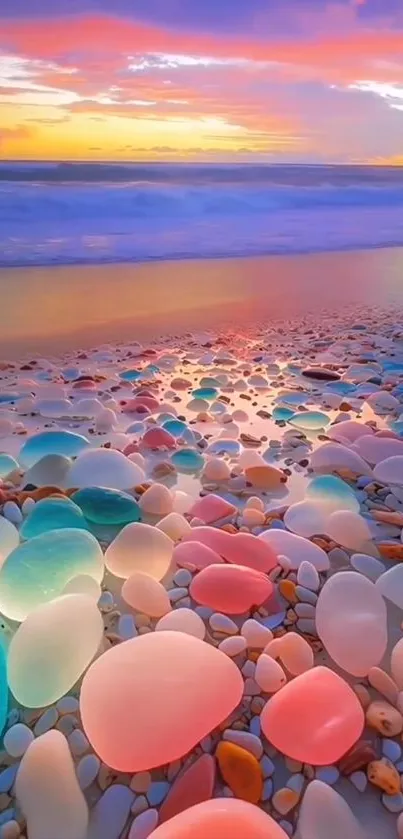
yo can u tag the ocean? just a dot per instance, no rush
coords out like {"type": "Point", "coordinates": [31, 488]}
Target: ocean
{"type": "Point", "coordinates": [91, 213]}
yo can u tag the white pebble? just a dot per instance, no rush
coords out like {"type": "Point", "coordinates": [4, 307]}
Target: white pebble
{"type": "Point", "coordinates": [269, 674]}
{"type": "Point", "coordinates": [246, 740]}
{"type": "Point", "coordinates": [233, 646]}
{"type": "Point", "coordinates": [17, 739]}
{"type": "Point", "coordinates": [47, 721]}
{"type": "Point", "coordinates": [222, 623]}
{"type": "Point", "coordinates": [78, 743]}
{"type": "Point", "coordinates": [144, 824]}
{"type": "Point", "coordinates": [256, 635]}
{"type": "Point", "coordinates": [10, 830]}
{"type": "Point", "coordinates": [308, 576]}
{"type": "Point", "coordinates": [284, 562]}
{"type": "Point", "coordinates": [87, 770]}
{"type": "Point", "coordinates": [28, 506]}
{"type": "Point", "coordinates": [12, 512]}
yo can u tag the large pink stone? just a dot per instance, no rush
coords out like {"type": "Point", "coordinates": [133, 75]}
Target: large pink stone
{"type": "Point", "coordinates": [191, 787]}
{"type": "Point", "coordinates": [232, 589]}
{"type": "Point", "coordinates": [220, 818]}
{"type": "Point", "coordinates": [133, 405]}
{"type": "Point", "coordinates": [158, 438]}
{"type": "Point", "coordinates": [194, 555]}
{"type": "Point", "coordinates": [211, 508]}
{"type": "Point", "coordinates": [316, 718]}
{"type": "Point", "coordinates": [150, 700]}
{"type": "Point", "coordinates": [238, 548]}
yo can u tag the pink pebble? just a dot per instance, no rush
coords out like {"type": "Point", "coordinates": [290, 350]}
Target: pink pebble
{"type": "Point", "coordinates": [238, 548]}
{"type": "Point", "coordinates": [150, 700]}
{"type": "Point", "coordinates": [211, 508]}
{"type": "Point", "coordinates": [146, 594]}
{"type": "Point", "coordinates": [158, 438]}
{"type": "Point", "coordinates": [193, 786]}
{"type": "Point", "coordinates": [232, 589]}
{"type": "Point", "coordinates": [221, 818]}
{"type": "Point", "coordinates": [316, 718]}
{"type": "Point", "coordinates": [140, 402]}
{"type": "Point", "coordinates": [194, 555]}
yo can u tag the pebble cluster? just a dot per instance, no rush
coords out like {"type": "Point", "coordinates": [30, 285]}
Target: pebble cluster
{"type": "Point", "coordinates": [201, 586]}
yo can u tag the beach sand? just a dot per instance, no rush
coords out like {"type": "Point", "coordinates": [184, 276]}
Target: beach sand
{"type": "Point", "coordinates": [50, 309]}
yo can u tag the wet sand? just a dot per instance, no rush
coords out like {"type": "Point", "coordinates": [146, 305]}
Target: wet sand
{"type": "Point", "coordinates": [57, 308]}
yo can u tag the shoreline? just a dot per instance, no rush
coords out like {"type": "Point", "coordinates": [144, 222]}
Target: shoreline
{"type": "Point", "coordinates": [104, 303]}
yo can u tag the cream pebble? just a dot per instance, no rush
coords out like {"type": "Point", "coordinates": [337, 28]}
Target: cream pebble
{"type": "Point", "coordinates": [233, 646]}
{"type": "Point", "coordinates": [255, 634]}
{"type": "Point", "coordinates": [269, 675]}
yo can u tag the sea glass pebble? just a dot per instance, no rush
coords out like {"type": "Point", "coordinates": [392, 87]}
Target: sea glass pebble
{"type": "Point", "coordinates": [50, 470]}
{"type": "Point", "coordinates": [182, 620]}
{"type": "Point", "coordinates": [146, 595]}
{"type": "Point", "coordinates": [239, 548]}
{"type": "Point", "coordinates": [221, 818]}
{"type": "Point", "coordinates": [296, 548]}
{"type": "Point", "coordinates": [334, 456]}
{"type": "Point", "coordinates": [324, 813]}
{"type": "Point", "coordinates": [138, 547]}
{"type": "Point", "coordinates": [8, 464]}
{"type": "Point", "coordinates": [232, 589]}
{"type": "Point", "coordinates": [351, 622]}
{"type": "Point", "coordinates": [104, 468]}
{"type": "Point", "coordinates": [52, 648]}
{"type": "Point", "coordinates": [52, 514]}
{"type": "Point", "coordinates": [332, 493]}
{"type": "Point", "coordinates": [211, 508]}
{"type": "Point", "coordinates": [135, 723]}
{"type": "Point", "coordinates": [52, 442]}
{"type": "Point", "coordinates": [47, 790]}
{"type": "Point", "coordinates": [187, 460]}
{"type": "Point", "coordinates": [9, 538]}
{"type": "Point", "coordinates": [309, 420]}
{"type": "Point", "coordinates": [38, 570]}
{"type": "Point", "coordinates": [107, 506]}
{"type": "Point", "coordinates": [316, 718]}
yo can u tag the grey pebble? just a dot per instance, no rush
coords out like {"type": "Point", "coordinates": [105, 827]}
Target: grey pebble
{"type": "Point", "coordinates": [296, 783]}
{"type": "Point", "coordinates": [359, 780]}
{"type": "Point", "coordinates": [267, 766]}
{"type": "Point", "coordinates": [176, 594]}
{"type": "Point", "coordinates": [110, 813]}
{"type": "Point", "coordinates": [305, 595]}
{"type": "Point", "coordinates": [183, 578]}
{"type": "Point", "coordinates": [393, 803]}
{"type": "Point", "coordinates": [204, 612]}
{"type": "Point", "coordinates": [307, 626]}
{"type": "Point", "coordinates": [46, 721]}
{"type": "Point", "coordinates": [338, 558]}
{"type": "Point", "coordinates": [305, 610]}
{"type": "Point", "coordinates": [267, 791]}
{"type": "Point", "coordinates": [7, 777]}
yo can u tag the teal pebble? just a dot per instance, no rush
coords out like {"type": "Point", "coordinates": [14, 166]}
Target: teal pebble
{"type": "Point", "coordinates": [208, 393]}
{"type": "Point", "coordinates": [7, 464]}
{"type": "Point", "coordinates": [52, 442]}
{"type": "Point", "coordinates": [107, 506]}
{"type": "Point", "coordinates": [187, 460]}
{"type": "Point", "coordinates": [52, 514]}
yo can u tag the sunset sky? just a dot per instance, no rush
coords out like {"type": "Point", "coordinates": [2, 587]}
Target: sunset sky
{"type": "Point", "coordinates": [273, 80]}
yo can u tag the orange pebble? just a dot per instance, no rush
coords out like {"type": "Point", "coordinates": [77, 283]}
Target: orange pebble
{"type": "Point", "coordinates": [241, 771]}
{"type": "Point", "coordinates": [287, 589]}
{"type": "Point", "coordinates": [45, 492]}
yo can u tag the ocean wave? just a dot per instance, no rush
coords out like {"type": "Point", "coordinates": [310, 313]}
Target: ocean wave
{"type": "Point", "coordinates": [69, 222]}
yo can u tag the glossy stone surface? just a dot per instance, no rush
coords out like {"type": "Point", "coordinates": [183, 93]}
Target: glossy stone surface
{"type": "Point", "coordinates": [221, 818]}
{"type": "Point", "coordinates": [329, 720]}
{"type": "Point", "coordinates": [48, 793]}
{"type": "Point", "coordinates": [351, 622]}
{"type": "Point", "coordinates": [332, 493]}
{"type": "Point", "coordinates": [187, 460]}
{"type": "Point", "coordinates": [239, 549]}
{"type": "Point", "coordinates": [52, 514]}
{"type": "Point", "coordinates": [135, 724]}
{"type": "Point", "coordinates": [52, 648]}
{"type": "Point", "coordinates": [146, 595]}
{"type": "Point", "coordinates": [9, 538]}
{"type": "Point", "coordinates": [52, 442]}
{"type": "Point", "coordinates": [8, 464]}
{"type": "Point", "coordinates": [139, 547]}
{"type": "Point", "coordinates": [296, 548]}
{"type": "Point", "coordinates": [107, 506]}
{"type": "Point", "coordinates": [324, 813]}
{"type": "Point", "coordinates": [390, 471]}
{"type": "Point", "coordinates": [232, 589]}
{"type": "Point", "coordinates": [37, 571]}
{"type": "Point", "coordinates": [104, 468]}
{"type": "Point", "coordinates": [195, 555]}
{"type": "Point", "coordinates": [191, 787]}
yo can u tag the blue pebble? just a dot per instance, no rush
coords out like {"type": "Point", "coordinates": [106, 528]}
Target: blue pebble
{"type": "Point", "coordinates": [254, 726]}
{"type": "Point", "coordinates": [393, 803]}
{"type": "Point", "coordinates": [267, 766]}
{"type": "Point", "coordinates": [328, 774]}
{"type": "Point", "coordinates": [7, 777]}
{"type": "Point", "coordinates": [7, 816]}
{"type": "Point", "coordinates": [391, 750]}
{"type": "Point", "coordinates": [157, 792]}
{"type": "Point", "coordinates": [273, 621]}
{"type": "Point", "coordinates": [287, 827]}
{"type": "Point", "coordinates": [399, 767]}
{"type": "Point", "coordinates": [296, 782]}
{"type": "Point", "coordinates": [267, 789]}
{"type": "Point", "coordinates": [277, 524]}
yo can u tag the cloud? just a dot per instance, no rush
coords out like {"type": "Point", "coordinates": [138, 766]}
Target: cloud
{"type": "Point", "coordinates": [19, 132]}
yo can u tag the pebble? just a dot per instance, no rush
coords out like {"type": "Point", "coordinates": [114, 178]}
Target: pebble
{"type": "Point", "coordinates": [391, 750]}
{"type": "Point", "coordinates": [183, 578]}
{"type": "Point", "coordinates": [267, 766]}
{"type": "Point", "coordinates": [17, 740]}
{"type": "Point", "coordinates": [382, 774]}
{"type": "Point", "coordinates": [157, 791]}
{"type": "Point", "coordinates": [393, 803]}
{"type": "Point", "coordinates": [359, 780]}
{"type": "Point", "coordinates": [47, 721]}
{"type": "Point", "coordinates": [233, 646]}
{"type": "Point", "coordinates": [139, 805]}
{"type": "Point", "coordinates": [267, 790]}
{"type": "Point", "coordinates": [176, 594]}
{"type": "Point", "coordinates": [222, 623]}
{"type": "Point", "coordinates": [246, 740]}
{"type": "Point", "coordinates": [328, 774]}
{"type": "Point", "coordinates": [241, 771]}
{"type": "Point", "coordinates": [141, 782]}
{"type": "Point", "coordinates": [7, 777]}
{"type": "Point", "coordinates": [10, 830]}
{"type": "Point", "coordinates": [67, 705]}
{"type": "Point", "coordinates": [306, 596]}
{"type": "Point", "coordinates": [87, 770]}
{"type": "Point", "coordinates": [308, 577]}
{"type": "Point", "coordinates": [284, 800]}
{"type": "Point", "coordinates": [384, 718]}
{"type": "Point", "coordinates": [110, 813]}
{"type": "Point", "coordinates": [255, 634]}
{"type": "Point", "coordinates": [307, 626]}
{"type": "Point", "coordinates": [144, 824]}
{"type": "Point", "coordinates": [12, 512]}
{"type": "Point", "coordinates": [78, 743]}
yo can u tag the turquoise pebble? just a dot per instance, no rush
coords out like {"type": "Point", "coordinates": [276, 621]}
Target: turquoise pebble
{"type": "Point", "coordinates": [179, 429]}
{"type": "Point", "coordinates": [283, 414]}
{"type": "Point", "coordinates": [38, 570]}
{"type": "Point", "coordinates": [52, 514]}
{"type": "Point", "coordinates": [208, 393]}
{"type": "Point", "coordinates": [309, 420]}
{"type": "Point", "coordinates": [107, 506]}
{"type": "Point", "coordinates": [130, 375]}
{"type": "Point", "coordinates": [157, 791]}
{"type": "Point", "coordinates": [52, 442]}
{"type": "Point", "coordinates": [391, 750]}
{"type": "Point", "coordinates": [7, 464]}
{"type": "Point", "coordinates": [328, 774]}
{"type": "Point", "coordinates": [187, 460]}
